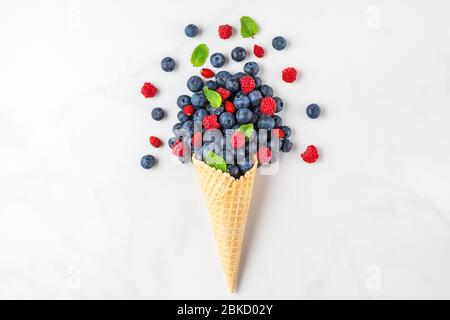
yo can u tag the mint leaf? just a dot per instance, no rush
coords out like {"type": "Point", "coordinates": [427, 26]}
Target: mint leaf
{"type": "Point", "coordinates": [215, 161]}
{"type": "Point", "coordinates": [213, 97]}
{"type": "Point", "coordinates": [248, 27]}
{"type": "Point", "coordinates": [247, 129]}
{"type": "Point", "coordinates": [199, 55]}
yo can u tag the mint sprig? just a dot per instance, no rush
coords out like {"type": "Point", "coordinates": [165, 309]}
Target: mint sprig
{"type": "Point", "coordinates": [213, 97]}
{"type": "Point", "coordinates": [215, 161]}
{"type": "Point", "coordinates": [199, 55]}
{"type": "Point", "coordinates": [248, 27]}
{"type": "Point", "coordinates": [247, 129]}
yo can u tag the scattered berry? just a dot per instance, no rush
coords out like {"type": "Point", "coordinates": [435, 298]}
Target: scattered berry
{"type": "Point", "coordinates": [237, 139]}
{"type": "Point", "coordinates": [238, 54]}
{"type": "Point", "coordinates": [266, 90]}
{"type": "Point", "coordinates": [183, 101]}
{"type": "Point", "coordinates": [225, 31]}
{"type": "Point", "coordinates": [148, 161]}
{"type": "Point", "coordinates": [313, 111]}
{"type": "Point", "coordinates": [222, 77]}
{"type": "Point", "coordinates": [289, 75]}
{"type": "Point", "coordinates": [232, 84]}
{"type": "Point", "coordinates": [233, 170]}
{"type": "Point", "coordinates": [255, 97]}
{"type": "Point", "coordinates": [191, 30]}
{"type": "Point", "coordinates": [168, 64]}
{"type": "Point", "coordinates": [279, 43]}
{"type": "Point", "coordinates": [279, 103]}
{"type": "Point", "coordinates": [286, 145]}
{"type": "Point", "coordinates": [148, 90]}
{"type": "Point", "coordinates": [210, 122]}
{"type": "Point", "coordinates": [229, 107]}
{"type": "Point", "coordinates": [224, 93]}
{"type": "Point", "coordinates": [227, 120]}
{"type": "Point", "coordinates": [265, 122]}
{"type": "Point", "coordinates": [179, 149]}
{"type": "Point", "coordinates": [278, 133]}
{"type": "Point", "coordinates": [207, 73]}
{"type": "Point", "coordinates": [158, 114]}
{"type": "Point", "coordinates": [189, 110]}
{"type": "Point", "coordinates": [195, 84]}
{"type": "Point", "coordinates": [155, 142]}
{"type": "Point", "coordinates": [267, 106]}
{"type": "Point", "coordinates": [198, 100]}
{"type": "Point", "coordinates": [286, 130]}
{"type": "Point", "coordinates": [264, 155]}
{"type": "Point", "coordinates": [251, 68]}
{"type": "Point", "coordinates": [247, 84]}
{"type": "Point", "coordinates": [244, 115]}
{"type": "Point", "coordinates": [241, 101]}
{"type": "Point", "coordinates": [258, 51]}
{"type": "Point", "coordinates": [217, 60]}
{"type": "Point", "coordinates": [310, 155]}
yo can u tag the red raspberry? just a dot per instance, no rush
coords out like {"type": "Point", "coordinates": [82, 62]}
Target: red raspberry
{"type": "Point", "coordinates": [258, 51]}
{"type": "Point", "coordinates": [229, 107]}
{"type": "Point", "coordinates": [289, 75]}
{"type": "Point", "coordinates": [197, 139]}
{"type": "Point", "coordinates": [148, 90]}
{"type": "Point", "coordinates": [278, 133]}
{"type": "Point", "coordinates": [179, 149]}
{"type": "Point", "coordinates": [154, 141]}
{"type": "Point", "coordinates": [207, 73]}
{"type": "Point", "coordinates": [210, 122]}
{"type": "Point", "coordinates": [264, 155]}
{"type": "Point", "coordinates": [189, 110]}
{"type": "Point", "coordinates": [248, 84]}
{"type": "Point", "coordinates": [225, 31]}
{"type": "Point", "coordinates": [267, 106]}
{"type": "Point", "coordinates": [310, 155]}
{"type": "Point", "coordinates": [237, 139]}
{"type": "Point", "coordinates": [224, 93]}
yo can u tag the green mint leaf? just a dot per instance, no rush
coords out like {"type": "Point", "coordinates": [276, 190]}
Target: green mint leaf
{"type": "Point", "coordinates": [247, 129]}
{"type": "Point", "coordinates": [215, 161]}
{"type": "Point", "coordinates": [248, 27]}
{"type": "Point", "coordinates": [199, 55]}
{"type": "Point", "coordinates": [213, 97]}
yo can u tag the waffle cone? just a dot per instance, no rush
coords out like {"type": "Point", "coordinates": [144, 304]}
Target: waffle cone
{"type": "Point", "coordinates": [228, 202]}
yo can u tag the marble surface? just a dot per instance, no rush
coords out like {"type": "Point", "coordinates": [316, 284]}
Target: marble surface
{"type": "Point", "coordinates": [79, 218]}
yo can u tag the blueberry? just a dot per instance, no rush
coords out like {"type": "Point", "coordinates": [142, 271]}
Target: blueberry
{"type": "Point", "coordinates": [233, 170]}
{"type": "Point", "coordinates": [278, 121]}
{"type": "Point", "coordinates": [258, 82]}
{"type": "Point", "coordinates": [279, 43]}
{"type": "Point", "coordinates": [221, 78]}
{"type": "Point", "coordinates": [217, 111]}
{"type": "Point", "coordinates": [183, 101]}
{"type": "Point", "coordinates": [157, 114]}
{"type": "Point", "coordinates": [177, 129]}
{"type": "Point", "coordinates": [286, 130]}
{"type": "Point", "coordinates": [189, 126]}
{"type": "Point", "coordinates": [313, 111]}
{"type": "Point", "coordinates": [251, 68]}
{"type": "Point", "coordinates": [191, 30]}
{"type": "Point", "coordinates": [255, 97]}
{"type": "Point", "coordinates": [232, 84]}
{"type": "Point", "coordinates": [198, 100]}
{"type": "Point", "coordinates": [148, 161]}
{"type": "Point", "coordinates": [256, 116]}
{"type": "Point", "coordinates": [266, 122]}
{"type": "Point", "coordinates": [266, 90]}
{"type": "Point", "coordinates": [227, 120]}
{"type": "Point", "coordinates": [243, 116]}
{"type": "Point", "coordinates": [200, 114]}
{"type": "Point", "coordinates": [238, 75]}
{"type": "Point", "coordinates": [238, 54]}
{"type": "Point", "coordinates": [241, 101]}
{"type": "Point", "coordinates": [195, 84]}
{"type": "Point", "coordinates": [217, 60]}
{"type": "Point", "coordinates": [211, 85]}
{"type": "Point", "coordinates": [172, 141]}
{"type": "Point", "coordinates": [286, 145]}
{"type": "Point", "coordinates": [244, 167]}
{"type": "Point", "coordinates": [279, 104]}
{"type": "Point", "coordinates": [168, 64]}
{"type": "Point", "coordinates": [182, 117]}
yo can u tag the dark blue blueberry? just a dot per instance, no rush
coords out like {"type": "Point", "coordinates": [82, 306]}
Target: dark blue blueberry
{"type": "Point", "coordinates": [172, 141]}
{"type": "Point", "coordinates": [241, 101]}
{"type": "Point", "coordinates": [157, 113]}
{"type": "Point", "coordinates": [217, 111]}
{"type": "Point", "coordinates": [279, 43]}
{"type": "Point", "coordinates": [278, 121]}
{"type": "Point", "coordinates": [222, 77]}
{"type": "Point", "coordinates": [233, 171]}
{"type": "Point", "coordinates": [251, 68]}
{"type": "Point", "coordinates": [266, 122]}
{"type": "Point", "coordinates": [286, 145]}
{"type": "Point", "coordinates": [238, 75]}
{"type": "Point", "coordinates": [191, 30]}
{"type": "Point", "coordinates": [266, 90]}
{"type": "Point", "coordinates": [177, 129]}
{"type": "Point", "coordinates": [200, 114]}
{"type": "Point", "coordinates": [258, 82]}
{"type": "Point", "coordinates": [255, 117]}
{"type": "Point", "coordinates": [148, 161]}
{"type": "Point", "coordinates": [232, 84]}
{"type": "Point", "coordinates": [238, 54]}
{"type": "Point", "coordinates": [244, 116]}
{"type": "Point", "coordinates": [244, 167]}
{"type": "Point", "coordinates": [211, 85]}
{"type": "Point", "coordinates": [313, 111]}
{"type": "Point", "coordinates": [217, 60]}
{"type": "Point", "coordinates": [183, 101]}
{"type": "Point", "coordinates": [189, 126]}
{"type": "Point", "coordinates": [279, 104]}
{"type": "Point", "coordinates": [182, 117]}
{"type": "Point", "coordinates": [227, 120]}
{"type": "Point", "coordinates": [255, 97]}
{"type": "Point", "coordinates": [198, 100]}
{"type": "Point", "coordinates": [286, 130]}
{"type": "Point", "coordinates": [168, 64]}
{"type": "Point", "coordinates": [195, 84]}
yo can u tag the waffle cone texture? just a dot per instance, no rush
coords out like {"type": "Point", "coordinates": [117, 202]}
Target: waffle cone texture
{"type": "Point", "coordinates": [228, 202]}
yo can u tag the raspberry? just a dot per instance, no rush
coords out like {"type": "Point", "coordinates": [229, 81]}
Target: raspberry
{"type": "Point", "coordinates": [229, 107]}
{"type": "Point", "coordinates": [197, 139]}
{"type": "Point", "coordinates": [179, 149]}
{"type": "Point", "coordinates": [264, 155]}
{"type": "Point", "coordinates": [224, 93]}
{"type": "Point", "coordinates": [289, 75]}
{"type": "Point", "coordinates": [310, 155]}
{"type": "Point", "coordinates": [258, 51]}
{"type": "Point", "coordinates": [207, 73]}
{"type": "Point", "coordinates": [189, 110]}
{"type": "Point", "coordinates": [210, 122]}
{"type": "Point", "coordinates": [225, 31]}
{"type": "Point", "coordinates": [154, 141]}
{"type": "Point", "coordinates": [267, 106]}
{"type": "Point", "coordinates": [247, 84]}
{"type": "Point", "coordinates": [237, 139]}
{"type": "Point", "coordinates": [148, 90]}
{"type": "Point", "coordinates": [278, 133]}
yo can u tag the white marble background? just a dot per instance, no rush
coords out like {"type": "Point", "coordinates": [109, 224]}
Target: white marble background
{"type": "Point", "coordinates": [79, 218]}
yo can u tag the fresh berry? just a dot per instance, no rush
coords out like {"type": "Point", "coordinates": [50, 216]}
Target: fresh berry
{"type": "Point", "coordinates": [237, 139]}
{"type": "Point", "coordinates": [183, 101]}
{"type": "Point", "coordinates": [289, 75]}
{"type": "Point", "coordinates": [278, 133]}
{"type": "Point", "coordinates": [191, 30]}
{"type": "Point", "coordinates": [286, 145]}
{"type": "Point", "coordinates": [267, 106]}
{"type": "Point", "coordinates": [310, 155]}
{"type": "Point", "coordinates": [158, 114]}
{"type": "Point", "coordinates": [227, 120]}
{"type": "Point", "coordinates": [279, 43]}
{"type": "Point", "coordinates": [232, 84]}
{"type": "Point", "coordinates": [189, 110]}
{"type": "Point", "coordinates": [239, 75]}
{"type": "Point", "coordinates": [225, 31]}
{"type": "Point", "coordinates": [244, 167]}
{"type": "Point", "coordinates": [229, 107]}
{"type": "Point", "coordinates": [279, 103]}
{"type": "Point", "coordinates": [241, 101]}
{"type": "Point", "coordinates": [195, 84]}
{"type": "Point", "coordinates": [286, 130]}
{"type": "Point", "coordinates": [278, 121]}
{"type": "Point", "coordinates": [197, 139]}
{"type": "Point", "coordinates": [264, 155]}
{"type": "Point", "coordinates": [247, 84]}
{"type": "Point", "coordinates": [222, 77]}
{"type": "Point", "coordinates": [255, 97]}
{"type": "Point", "coordinates": [211, 85]}
{"type": "Point", "coordinates": [244, 115]}
{"type": "Point", "coordinates": [200, 114]}
{"type": "Point", "coordinates": [313, 111]}
{"type": "Point", "coordinates": [148, 161]}
{"type": "Point", "coordinates": [217, 111]}
{"type": "Point", "coordinates": [266, 90]}
{"type": "Point", "coordinates": [251, 68]}
{"type": "Point", "coordinates": [265, 122]}
{"type": "Point", "coordinates": [188, 126]}
{"type": "Point", "coordinates": [177, 129]}
{"type": "Point", "coordinates": [207, 73]}
{"type": "Point", "coordinates": [179, 149]}
{"type": "Point", "coordinates": [210, 122]}
{"type": "Point", "coordinates": [224, 93]}
{"type": "Point", "coordinates": [168, 64]}
{"type": "Point", "coordinates": [182, 117]}
{"type": "Point", "coordinates": [155, 142]}
{"type": "Point", "coordinates": [258, 82]}
{"type": "Point", "coordinates": [233, 170]}
{"type": "Point", "coordinates": [148, 90]}
{"type": "Point", "coordinates": [258, 51]}
{"type": "Point", "coordinates": [217, 60]}
{"type": "Point", "coordinates": [238, 54]}
{"type": "Point", "coordinates": [198, 100]}
{"type": "Point", "coordinates": [172, 141]}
